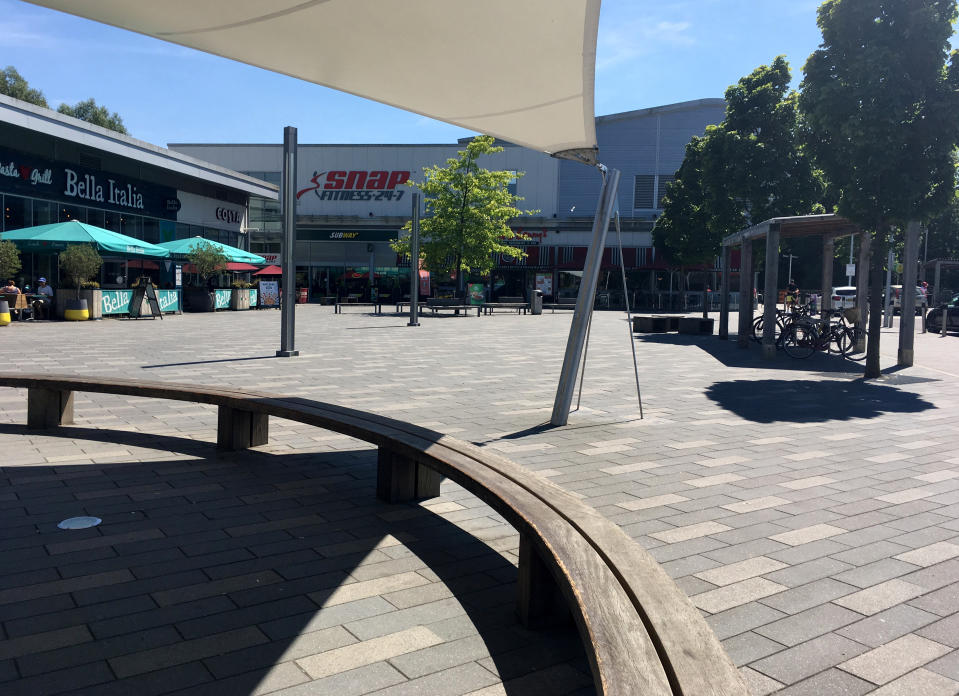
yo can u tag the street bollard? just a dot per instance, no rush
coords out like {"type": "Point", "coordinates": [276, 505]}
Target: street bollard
{"type": "Point", "coordinates": [945, 320]}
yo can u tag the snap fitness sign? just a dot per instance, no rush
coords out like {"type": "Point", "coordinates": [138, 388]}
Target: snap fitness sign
{"type": "Point", "coordinates": [357, 185]}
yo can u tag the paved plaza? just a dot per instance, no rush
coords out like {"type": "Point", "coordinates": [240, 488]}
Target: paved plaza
{"type": "Point", "coordinates": [811, 516]}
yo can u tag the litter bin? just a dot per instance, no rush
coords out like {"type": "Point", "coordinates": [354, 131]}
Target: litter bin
{"type": "Point", "coordinates": [301, 299]}
{"type": "Point", "coordinates": [536, 302]}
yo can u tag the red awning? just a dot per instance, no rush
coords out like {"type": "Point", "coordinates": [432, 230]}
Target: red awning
{"type": "Point", "coordinates": [144, 265]}
{"type": "Point", "coordinates": [270, 270]}
{"type": "Point", "coordinates": [234, 266]}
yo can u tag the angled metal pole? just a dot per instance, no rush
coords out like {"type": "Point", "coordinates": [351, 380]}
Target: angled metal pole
{"type": "Point", "coordinates": [584, 301]}
{"type": "Point", "coordinates": [415, 263]}
{"type": "Point", "coordinates": [288, 304]}
{"type": "Point", "coordinates": [629, 316]}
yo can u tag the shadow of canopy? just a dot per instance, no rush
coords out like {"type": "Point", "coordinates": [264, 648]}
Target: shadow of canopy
{"type": "Point", "coordinates": [218, 571]}
{"type": "Point", "coordinates": [812, 401]}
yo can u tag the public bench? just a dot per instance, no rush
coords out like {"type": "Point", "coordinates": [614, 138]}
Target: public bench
{"type": "Point", "coordinates": [446, 304]}
{"type": "Point", "coordinates": [517, 303]}
{"type": "Point", "coordinates": [640, 632]}
{"type": "Point", "coordinates": [377, 306]}
{"type": "Point", "coordinates": [561, 303]}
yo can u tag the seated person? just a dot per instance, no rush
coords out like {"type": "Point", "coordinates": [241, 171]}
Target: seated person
{"type": "Point", "coordinates": [792, 294]}
{"type": "Point", "coordinates": [43, 301]}
{"type": "Point", "coordinates": [10, 288]}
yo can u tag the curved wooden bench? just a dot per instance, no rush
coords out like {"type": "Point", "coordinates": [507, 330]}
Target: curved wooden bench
{"type": "Point", "coordinates": [641, 633]}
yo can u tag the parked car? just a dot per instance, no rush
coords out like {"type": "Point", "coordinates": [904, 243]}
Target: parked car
{"type": "Point", "coordinates": [844, 297]}
{"type": "Point", "coordinates": [922, 301]}
{"type": "Point", "coordinates": [934, 317]}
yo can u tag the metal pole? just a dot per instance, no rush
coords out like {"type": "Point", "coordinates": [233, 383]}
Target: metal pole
{"type": "Point", "coordinates": [415, 263]}
{"type": "Point", "coordinates": [288, 304]}
{"type": "Point", "coordinates": [887, 300]}
{"type": "Point", "coordinates": [907, 296]}
{"type": "Point", "coordinates": [629, 317]}
{"type": "Point", "coordinates": [852, 239]}
{"type": "Point", "coordinates": [584, 301]}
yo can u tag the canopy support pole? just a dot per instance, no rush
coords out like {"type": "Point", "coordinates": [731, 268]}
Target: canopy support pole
{"type": "Point", "coordinates": [584, 300]}
{"type": "Point", "coordinates": [415, 262]}
{"type": "Point", "coordinates": [288, 305]}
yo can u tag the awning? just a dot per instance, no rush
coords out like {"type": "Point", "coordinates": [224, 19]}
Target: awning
{"type": "Point", "coordinates": [270, 270]}
{"type": "Point", "coordinates": [181, 248]}
{"type": "Point", "coordinates": [527, 76]}
{"type": "Point", "coordinates": [238, 267]}
{"type": "Point", "coordinates": [59, 235]}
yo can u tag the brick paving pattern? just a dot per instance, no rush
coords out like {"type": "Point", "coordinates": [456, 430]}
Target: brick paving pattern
{"type": "Point", "coordinates": [812, 517]}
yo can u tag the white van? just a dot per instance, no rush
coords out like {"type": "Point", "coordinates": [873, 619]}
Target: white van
{"type": "Point", "coordinates": [844, 297]}
{"type": "Point", "coordinates": [922, 302]}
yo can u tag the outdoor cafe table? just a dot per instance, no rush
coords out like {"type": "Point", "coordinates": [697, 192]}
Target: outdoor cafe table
{"type": "Point", "coordinates": [20, 301]}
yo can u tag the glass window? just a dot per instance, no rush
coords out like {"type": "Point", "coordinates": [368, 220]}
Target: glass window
{"type": "Point", "coordinates": [131, 226]}
{"type": "Point", "coordinates": [16, 213]}
{"type": "Point", "coordinates": [44, 212]}
{"type": "Point", "coordinates": [72, 212]}
{"type": "Point", "coordinates": [111, 221]}
{"type": "Point", "coordinates": [151, 230]}
{"type": "Point", "coordinates": [95, 217]}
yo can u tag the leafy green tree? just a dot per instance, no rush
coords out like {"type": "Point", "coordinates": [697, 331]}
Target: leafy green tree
{"type": "Point", "coordinates": [745, 170]}
{"type": "Point", "coordinates": [206, 258]}
{"type": "Point", "coordinates": [14, 85]}
{"type": "Point", "coordinates": [880, 98]}
{"type": "Point", "coordinates": [468, 209]}
{"type": "Point", "coordinates": [89, 111]}
{"type": "Point", "coordinates": [80, 262]}
{"type": "Point", "coordinates": [9, 260]}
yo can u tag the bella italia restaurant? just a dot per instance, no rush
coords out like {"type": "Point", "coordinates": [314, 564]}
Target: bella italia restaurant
{"type": "Point", "coordinates": [55, 169]}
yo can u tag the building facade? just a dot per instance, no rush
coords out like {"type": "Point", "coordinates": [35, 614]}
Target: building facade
{"type": "Point", "coordinates": [352, 200]}
{"type": "Point", "coordinates": [54, 168]}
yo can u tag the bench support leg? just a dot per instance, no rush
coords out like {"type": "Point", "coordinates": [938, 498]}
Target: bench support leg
{"type": "Point", "coordinates": [399, 478]}
{"type": "Point", "coordinates": [239, 430]}
{"type": "Point", "coordinates": [538, 603]}
{"type": "Point", "coordinates": [48, 408]}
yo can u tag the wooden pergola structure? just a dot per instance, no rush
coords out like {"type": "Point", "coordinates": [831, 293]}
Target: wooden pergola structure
{"type": "Point", "coordinates": [829, 227]}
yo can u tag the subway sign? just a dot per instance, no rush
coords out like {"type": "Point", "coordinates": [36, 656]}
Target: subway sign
{"type": "Point", "coordinates": [357, 185]}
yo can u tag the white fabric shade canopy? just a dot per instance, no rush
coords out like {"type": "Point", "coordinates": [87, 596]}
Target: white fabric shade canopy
{"type": "Point", "coordinates": [521, 70]}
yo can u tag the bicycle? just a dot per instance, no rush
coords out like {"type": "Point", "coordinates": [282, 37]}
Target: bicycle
{"type": "Point", "coordinates": [784, 319]}
{"type": "Point", "coordinates": [804, 338]}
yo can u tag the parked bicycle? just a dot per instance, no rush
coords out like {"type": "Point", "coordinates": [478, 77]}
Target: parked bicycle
{"type": "Point", "coordinates": [803, 338]}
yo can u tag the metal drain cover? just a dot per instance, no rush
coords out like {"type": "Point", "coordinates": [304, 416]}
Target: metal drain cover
{"type": "Point", "coordinates": [79, 522]}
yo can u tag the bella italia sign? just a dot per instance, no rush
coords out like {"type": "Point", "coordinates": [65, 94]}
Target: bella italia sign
{"type": "Point", "coordinates": [74, 185]}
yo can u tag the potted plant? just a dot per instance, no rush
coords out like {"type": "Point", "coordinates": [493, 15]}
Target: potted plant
{"type": "Point", "coordinates": [240, 295]}
{"type": "Point", "coordinates": [9, 264]}
{"type": "Point", "coordinates": [80, 262]}
{"type": "Point", "coordinates": [207, 259]}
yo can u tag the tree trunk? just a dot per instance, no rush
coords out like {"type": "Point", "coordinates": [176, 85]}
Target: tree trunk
{"type": "Point", "coordinates": [873, 369]}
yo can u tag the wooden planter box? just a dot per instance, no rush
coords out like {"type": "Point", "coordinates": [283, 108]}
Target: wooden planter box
{"type": "Point", "coordinates": [93, 296]}
{"type": "Point", "coordinates": [239, 299]}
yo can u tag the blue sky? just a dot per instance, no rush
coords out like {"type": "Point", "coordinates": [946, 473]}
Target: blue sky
{"type": "Point", "coordinates": [648, 54]}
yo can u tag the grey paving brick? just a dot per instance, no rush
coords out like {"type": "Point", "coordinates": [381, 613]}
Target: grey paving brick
{"type": "Point", "coordinates": [945, 631]}
{"type": "Point", "coordinates": [800, 598]}
{"type": "Point", "coordinates": [887, 625]}
{"type": "Point", "coordinates": [808, 624]}
{"type": "Point", "coordinates": [809, 658]}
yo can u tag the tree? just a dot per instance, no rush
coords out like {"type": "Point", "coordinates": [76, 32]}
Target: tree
{"type": "Point", "coordinates": [468, 209]}
{"type": "Point", "coordinates": [14, 85]}
{"type": "Point", "coordinates": [749, 168]}
{"type": "Point", "coordinates": [207, 258]}
{"type": "Point", "coordinates": [89, 111]}
{"type": "Point", "coordinates": [9, 260]}
{"type": "Point", "coordinates": [880, 98]}
{"type": "Point", "coordinates": [80, 262]}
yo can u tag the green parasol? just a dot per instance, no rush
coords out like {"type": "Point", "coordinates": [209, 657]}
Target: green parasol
{"type": "Point", "coordinates": [59, 235]}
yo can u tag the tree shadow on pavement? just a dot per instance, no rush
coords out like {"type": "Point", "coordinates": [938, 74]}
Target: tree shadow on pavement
{"type": "Point", "coordinates": [731, 355]}
{"type": "Point", "coordinates": [812, 401]}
